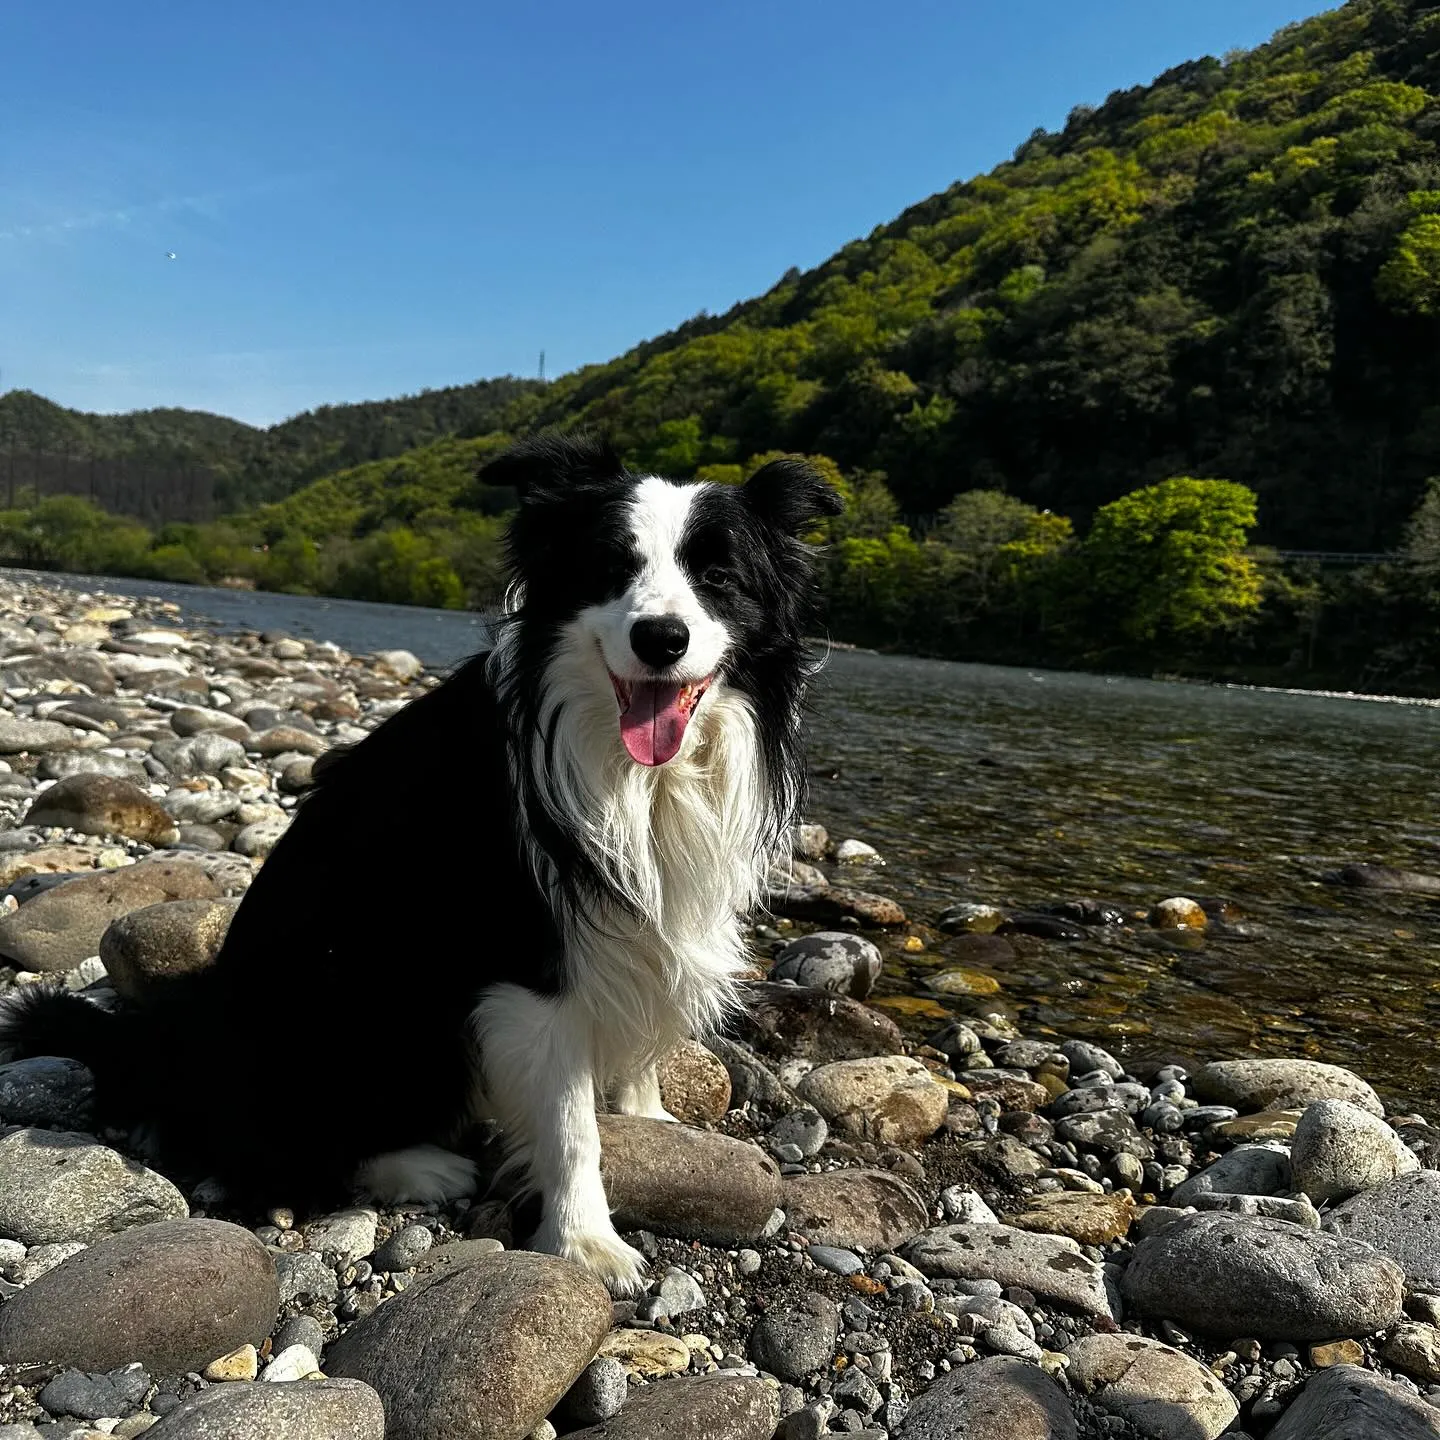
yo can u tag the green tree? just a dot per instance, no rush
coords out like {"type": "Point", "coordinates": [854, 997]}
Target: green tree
{"type": "Point", "coordinates": [1422, 535]}
{"type": "Point", "coordinates": [1410, 278]}
{"type": "Point", "coordinates": [1169, 562]}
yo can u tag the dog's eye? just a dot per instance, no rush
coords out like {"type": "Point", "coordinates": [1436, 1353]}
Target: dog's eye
{"type": "Point", "coordinates": [717, 577]}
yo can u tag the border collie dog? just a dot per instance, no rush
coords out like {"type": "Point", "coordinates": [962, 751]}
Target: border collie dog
{"type": "Point", "coordinates": [516, 894]}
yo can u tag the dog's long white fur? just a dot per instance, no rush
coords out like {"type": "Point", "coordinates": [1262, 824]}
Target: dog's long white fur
{"type": "Point", "coordinates": [686, 846]}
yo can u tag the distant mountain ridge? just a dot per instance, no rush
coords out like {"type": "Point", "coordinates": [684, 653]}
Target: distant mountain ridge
{"type": "Point", "coordinates": [255, 465]}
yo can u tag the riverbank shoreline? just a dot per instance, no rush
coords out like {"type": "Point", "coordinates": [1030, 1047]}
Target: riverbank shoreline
{"type": "Point", "coordinates": [890, 1216]}
{"type": "Point", "coordinates": [320, 610]}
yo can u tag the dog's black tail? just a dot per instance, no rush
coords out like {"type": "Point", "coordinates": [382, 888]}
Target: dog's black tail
{"type": "Point", "coordinates": [46, 1020]}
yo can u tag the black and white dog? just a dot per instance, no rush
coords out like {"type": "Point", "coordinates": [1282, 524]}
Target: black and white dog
{"type": "Point", "coordinates": [520, 933]}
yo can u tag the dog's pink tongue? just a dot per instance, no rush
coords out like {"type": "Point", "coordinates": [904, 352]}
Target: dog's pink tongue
{"type": "Point", "coordinates": [654, 725]}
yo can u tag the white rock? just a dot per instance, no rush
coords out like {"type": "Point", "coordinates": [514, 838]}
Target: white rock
{"type": "Point", "coordinates": [966, 1205]}
{"type": "Point", "coordinates": [1339, 1150]}
{"type": "Point", "coordinates": [294, 1362]}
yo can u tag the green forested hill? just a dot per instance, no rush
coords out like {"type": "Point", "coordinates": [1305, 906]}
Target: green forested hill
{"type": "Point", "coordinates": [1232, 271]}
{"type": "Point", "coordinates": [253, 465]}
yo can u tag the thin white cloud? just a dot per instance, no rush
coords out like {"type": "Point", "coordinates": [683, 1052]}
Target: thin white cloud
{"type": "Point", "coordinates": [119, 217]}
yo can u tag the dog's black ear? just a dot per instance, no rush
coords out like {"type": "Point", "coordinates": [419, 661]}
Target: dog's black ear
{"type": "Point", "coordinates": [791, 495]}
{"type": "Point", "coordinates": [553, 467]}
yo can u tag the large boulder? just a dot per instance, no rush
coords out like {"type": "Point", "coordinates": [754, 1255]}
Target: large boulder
{"type": "Point", "coordinates": [174, 1296]}
{"type": "Point", "coordinates": [288, 1410]}
{"type": "Point", "coordinates": [1400, 1219]}
{"type": "Point", "coordinates": [1050, 1266]}
{"type": "Point", "coordinates": [1247, 1275]}
{"type": "Point", "coordinates": [834, 960]}
{"type": "Point", "coordinates": [1158, 1389]}
{"type": "Point", "coordinates": [686, 1183]}
{"type": "Point", "coordinates": [57, 930]}
{"type": "Point", "coordinates": [996, 1399]}
{"type": "Point", "coordinates": [486, 1349]}
{"type": "Point", "coordinates": [1348, 1403]}
{"type": "Point", "coordinates": [103, 805]}
{"type": "Point", "coordinates": [792, 1022]}
{"type": "Point", "coordinates": [147, 947]}
{"type": "Point", "coordinates": [57, 1185]}
{"type": "Point", "coordinates": [1251, 1085]}
{"type": "Point", "coordinates": [864, 1209]}
{"type": "Point", "coordinates": [1340, 1149]}
{"type": "Point", "coordinates": [891, 1099]}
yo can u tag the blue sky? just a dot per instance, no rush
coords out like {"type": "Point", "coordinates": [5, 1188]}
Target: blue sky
{"type": "Point", "coordinates": [365, 198]}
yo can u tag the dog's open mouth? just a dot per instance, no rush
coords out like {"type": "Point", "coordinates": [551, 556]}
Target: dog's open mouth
{"type": "Point", "coordinates": [654, 714]}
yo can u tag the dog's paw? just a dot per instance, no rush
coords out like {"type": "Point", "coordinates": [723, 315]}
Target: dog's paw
{"type": "Point", "coordinates": [620, 1267]}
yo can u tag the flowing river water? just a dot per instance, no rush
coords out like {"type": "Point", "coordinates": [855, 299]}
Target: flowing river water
{"type": "Point", "coordinates": [1025, 788]}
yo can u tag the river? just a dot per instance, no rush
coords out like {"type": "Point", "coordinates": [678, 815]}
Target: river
{"type": "Point", "coordinates": [1023, 788]}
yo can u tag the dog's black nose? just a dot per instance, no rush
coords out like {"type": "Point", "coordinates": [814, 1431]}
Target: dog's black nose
{"type": "Point", "coordinates": [660, 640]}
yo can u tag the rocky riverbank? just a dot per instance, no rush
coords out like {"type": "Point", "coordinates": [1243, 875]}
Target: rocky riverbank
{"type": "Point", "coordinates": [884, 1216]}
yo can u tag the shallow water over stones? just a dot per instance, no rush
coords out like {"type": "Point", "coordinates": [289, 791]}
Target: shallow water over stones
{"type": "Point", "coordinates": [1025, 789]}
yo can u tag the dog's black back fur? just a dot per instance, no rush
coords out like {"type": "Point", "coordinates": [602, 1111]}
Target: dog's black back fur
{"type": "Point", "coordinates": [305, 989]}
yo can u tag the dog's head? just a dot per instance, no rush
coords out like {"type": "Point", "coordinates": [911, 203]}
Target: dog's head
{"type": "Point", "coordinates": [667, 591]}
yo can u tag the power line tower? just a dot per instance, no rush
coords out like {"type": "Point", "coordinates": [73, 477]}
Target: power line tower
{"type": "Point", "coordinates": [541, 373]}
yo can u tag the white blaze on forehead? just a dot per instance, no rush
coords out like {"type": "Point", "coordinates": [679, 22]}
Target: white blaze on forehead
{"type": "Point", "coordinates": [659, 514]}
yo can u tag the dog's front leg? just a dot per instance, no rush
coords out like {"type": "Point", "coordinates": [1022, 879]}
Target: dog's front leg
{"type": "Point", "coordinates": [640, 1095]}
{"type": "Point", "coordinates": [537, 1054]}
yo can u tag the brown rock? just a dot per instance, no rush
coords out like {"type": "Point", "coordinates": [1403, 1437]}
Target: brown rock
{"type": "Point", "coordinates": [694, 1084]}
{"type": "Point", "coordinates": [791, 1022]}
{"type": "Point", "coordinates": [1415, 1349]}
{"type": "Point", "coordinates": [650, 1353]}
{"type": "Point", "coordinates": [173, 1295]}
{"type": "Point", "coordinates": [103, 805]}
{"type": "Point", "coordinates": [868, 1209]}
{"type": "Point", "coordinates": [57, 930]}
{"type": "Point", "coordinates": [1089, 1218]}
{"type": "Point", "coordinates": [832, 903]}
{"type": "Point", "coordinates": [149, 946]}
{"type": "Point", "coordinates": [1178, 913]}
{"type": "Point", "coordinates": [891, 1099]}
{"type": "Point", "coordinates": [280, 739]}
{"type": "Point", "coordinates": [51, 860]}
{"type": "Point", "coordinates": [1155, 1387]}
{"type": "Point", "coordinates": [1337, 1352]}
{"type": "Point", "coordinates": [1266, 1125]}
{"type": "Point", "coordinates": [1008, 1091]}
{"type": "Point", "coordinates": [58, 1185]}
{"type": "Point", "coordinates": [483, 1350]}
{"type": "Point", "coordinates": [685, 1183]}
{"type": "Point", "coordinates": [706, 1407]}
